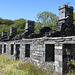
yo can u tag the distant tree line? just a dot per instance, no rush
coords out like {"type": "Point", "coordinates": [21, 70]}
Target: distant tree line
{"type": "Point", "coordinates": [5, 25]}
{"type": "Point", "coordinates": [42, 19]}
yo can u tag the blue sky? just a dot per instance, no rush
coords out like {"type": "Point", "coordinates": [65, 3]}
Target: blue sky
{"type": "Point", "coordinates": [28, 9]}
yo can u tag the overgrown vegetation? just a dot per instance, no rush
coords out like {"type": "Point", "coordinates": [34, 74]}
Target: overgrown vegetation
{"type": "Point", "coordinates": [47, 18]}
{"type": "Point", "coordinates": [5, 25]}
{"type": "Point", "coordinates": [11, 67]}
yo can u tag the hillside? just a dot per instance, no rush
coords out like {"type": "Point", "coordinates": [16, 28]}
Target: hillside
{"type": "Point", "coordinates": [5, 25]}
{"type": "Point", "coordinates": [43, 19]}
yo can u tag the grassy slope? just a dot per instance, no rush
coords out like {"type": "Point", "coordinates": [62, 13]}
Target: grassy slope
{"type": "Point", "coordinates": [11, 67]}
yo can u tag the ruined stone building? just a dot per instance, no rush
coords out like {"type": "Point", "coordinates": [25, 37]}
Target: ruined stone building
{"type": "Point", "coordinates": [52, 50]}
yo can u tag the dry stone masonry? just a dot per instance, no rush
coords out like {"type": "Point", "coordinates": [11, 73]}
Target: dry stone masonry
{"type": "Point", "coordinates": [4, 35]}
{"type": "Point", "coordinates": [52, 50]}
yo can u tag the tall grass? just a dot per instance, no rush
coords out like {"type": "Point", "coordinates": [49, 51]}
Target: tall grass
{"type": "Point", "coordinates": [11, 67]}
{"type": "Point", "coordinates": [72, 68]}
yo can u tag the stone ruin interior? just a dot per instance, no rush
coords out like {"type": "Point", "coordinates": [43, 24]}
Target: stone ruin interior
{"type": "Point", "coordinates": [52, 50]}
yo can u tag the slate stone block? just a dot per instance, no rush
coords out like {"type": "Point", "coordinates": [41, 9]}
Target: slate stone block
{"type": "Point", "coordinates": [58, 69]}
{"type": "Point", "coordinates": [58, 52]}
{"type": "Point", "coordinates": [58, 58]}
{"type": "Point", "coordinates": [58, 47]}
{"type": "Point", "coordinates": [56, 63]}
{"type": "Point", "coordinates": [4, 35]}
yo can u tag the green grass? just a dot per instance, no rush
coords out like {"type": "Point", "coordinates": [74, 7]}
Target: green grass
{"type": "Point", "coordinates": [11, 67]}
{"type": "Point", "coordinates": [73, 62]}
{"type": "Point", "coordinates": [72, 70]}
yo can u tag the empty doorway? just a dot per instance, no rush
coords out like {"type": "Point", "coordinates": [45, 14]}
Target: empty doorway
{"type": "Point", "coordinates": [17, 51]}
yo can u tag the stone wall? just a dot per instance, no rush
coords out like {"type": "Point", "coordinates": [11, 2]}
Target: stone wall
{"type": "Point", "coordinates": [38, 52]}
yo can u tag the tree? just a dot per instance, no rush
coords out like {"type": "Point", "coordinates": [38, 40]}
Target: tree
{"type": "Point", "coordinates": [20, 23]}
{"type": "Point", "coordinates": [1, 20]}
{"type": "Point", "coordinates": [5, 25]}
{"type": "Point", "coordinates": [48, 19]}
{"type": "Point", "coordinates": [74, 18]}
{"type": "Point", "coordinates": [7, 22]}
